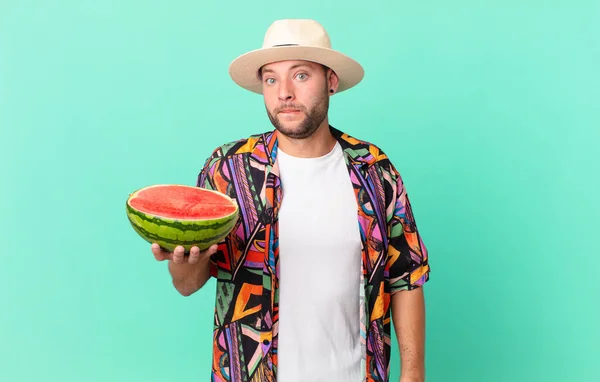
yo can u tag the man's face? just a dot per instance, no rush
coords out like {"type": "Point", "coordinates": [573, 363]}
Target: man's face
{"type": "Point", "coordinates": [296, 95]}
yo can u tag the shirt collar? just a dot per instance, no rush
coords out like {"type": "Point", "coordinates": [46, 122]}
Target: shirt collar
{"type": "Point", "coordinates": [357, 152]}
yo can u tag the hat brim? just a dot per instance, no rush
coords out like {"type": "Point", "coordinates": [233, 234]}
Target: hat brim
{"type": "Point", "coordinates": [244, 69]}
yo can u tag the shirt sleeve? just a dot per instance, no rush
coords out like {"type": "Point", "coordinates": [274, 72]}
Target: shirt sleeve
{"type": "Point", "coordinates": [408, 260]}
{"type": "Point", "coordinates": [207, 179]}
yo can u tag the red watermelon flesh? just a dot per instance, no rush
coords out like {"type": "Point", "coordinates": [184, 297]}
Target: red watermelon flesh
{"type": "Point", "coordinates": [182, 202]}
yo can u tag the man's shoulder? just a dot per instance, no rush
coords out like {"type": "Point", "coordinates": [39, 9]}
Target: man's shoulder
{"type": "Point", "coordinates": [364, 151]}
{"type": "Point", "coordinates": [241, 146]}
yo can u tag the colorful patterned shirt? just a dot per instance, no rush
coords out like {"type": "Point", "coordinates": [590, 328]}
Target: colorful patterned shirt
{"type": "Point", "coordinates": [245, 266]}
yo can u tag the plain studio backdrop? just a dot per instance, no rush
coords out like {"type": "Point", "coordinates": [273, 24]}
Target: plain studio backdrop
{"type": "Point", "coordinates": [490, 110]}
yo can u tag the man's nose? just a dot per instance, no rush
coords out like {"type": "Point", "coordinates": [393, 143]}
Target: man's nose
{"type": "Point", "coordinates": [286, 92]}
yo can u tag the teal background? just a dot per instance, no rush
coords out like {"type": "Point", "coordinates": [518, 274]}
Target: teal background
{"type": "Point", "coordinates": [490, 110]}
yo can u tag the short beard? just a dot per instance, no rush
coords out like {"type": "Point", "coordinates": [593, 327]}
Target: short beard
{"type": "Point", "coordinates": [309, 125]}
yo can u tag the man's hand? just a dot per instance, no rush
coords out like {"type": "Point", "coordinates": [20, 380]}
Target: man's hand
{"type": "Point", "coordinates": [190, 272]}
{"type": "Point", "coordinates": [178, 256]}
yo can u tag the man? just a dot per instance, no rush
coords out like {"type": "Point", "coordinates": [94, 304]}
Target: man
{"type": "Point", "coordinates": [326, 248]}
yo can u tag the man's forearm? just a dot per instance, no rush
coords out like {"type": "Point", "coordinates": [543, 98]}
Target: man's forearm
{"type": "Point", "coordinates": [408, 316]}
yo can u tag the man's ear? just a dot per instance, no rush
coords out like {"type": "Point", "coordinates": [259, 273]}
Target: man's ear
{"type": "Point", "coordinates": [332, 81]}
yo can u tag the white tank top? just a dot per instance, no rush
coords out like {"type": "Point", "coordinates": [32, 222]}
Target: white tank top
{"type": "Point", "coordinates": [320, 266]}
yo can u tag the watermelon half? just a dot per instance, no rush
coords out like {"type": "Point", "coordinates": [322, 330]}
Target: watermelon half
{"type": "Point", "coordinates": [172, 215]}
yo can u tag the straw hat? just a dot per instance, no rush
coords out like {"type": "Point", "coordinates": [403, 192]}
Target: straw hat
{"type": "Point", "coordinates": [294, 39]}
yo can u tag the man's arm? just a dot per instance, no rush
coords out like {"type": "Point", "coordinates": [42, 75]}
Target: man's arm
{"type": "Point", "coordinates": [408, 317]}
{"type": "Point", "coordinates": [408, 266]}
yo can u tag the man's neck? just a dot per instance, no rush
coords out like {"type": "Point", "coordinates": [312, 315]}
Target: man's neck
{"type": "Point", "coordinates": [319, 144]}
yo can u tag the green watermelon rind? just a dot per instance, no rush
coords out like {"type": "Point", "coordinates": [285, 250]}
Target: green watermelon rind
{"type": "Point", "coordinates": [170, 233]}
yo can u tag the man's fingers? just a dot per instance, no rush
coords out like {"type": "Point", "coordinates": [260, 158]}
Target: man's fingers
{"type": "Point", "coordinates": [194, 255]}
{"type": "Point", "coordinates": [210, 251]}
{"type": "Point", "coordinates": [158, 252]}
{"type": "Point", "coordinates": [178, 255]}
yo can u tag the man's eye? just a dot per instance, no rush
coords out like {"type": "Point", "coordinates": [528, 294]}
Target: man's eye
{"type": "Point", "coordinates": [302, 76]}
{"type": "Point", "coordinates": [270, 81]}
